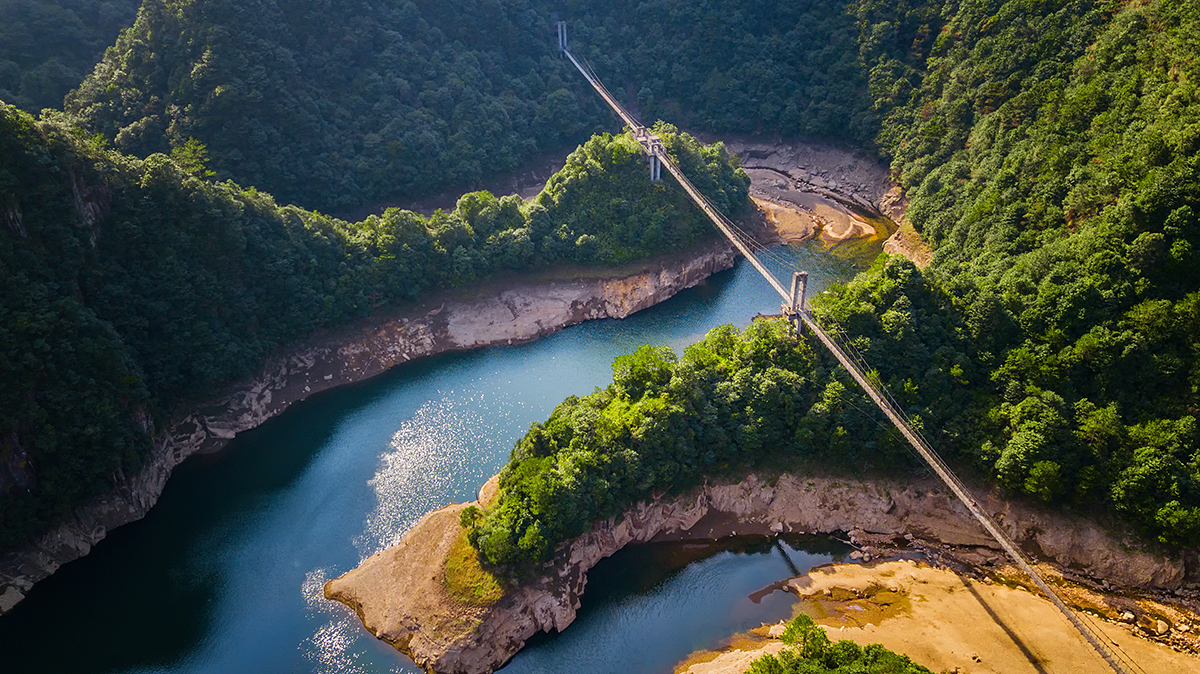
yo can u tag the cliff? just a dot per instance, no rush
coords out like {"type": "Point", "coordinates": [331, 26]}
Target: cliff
{"type": "Point", "coordinates": [400, 597]}
{"type": "Point", "coordinates": [524, 312]}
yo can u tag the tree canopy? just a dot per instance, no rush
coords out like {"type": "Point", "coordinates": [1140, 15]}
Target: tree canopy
{"type": "Point", "coordinates": [135, 286]}
{"type": "Point", "coordinates": [333, 105]}
{"type": "Point", "coordinates": [1049, 152]}
{"type": "Point", "coordinates": [1048, 149]}
{"type": "Point", "coordinates": [47, 47]}
{"type": "Point", "coordinates": [813, 652]}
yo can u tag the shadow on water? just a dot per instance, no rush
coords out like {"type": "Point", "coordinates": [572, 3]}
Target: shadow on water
{"type": "Point", "coordinates": [149, 585]}
{"type": "Point", "coordinates": [224, 574]}
{"type": "Point", "coordinates": [649, 606]}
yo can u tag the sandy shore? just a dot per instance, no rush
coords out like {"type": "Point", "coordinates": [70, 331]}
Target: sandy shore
{"type": "Point", "coordinates": [950, 622]}
{"type": "Point", "coordinates": [795, 223]}
{"type": "Point", "coordinates": [808, 190]}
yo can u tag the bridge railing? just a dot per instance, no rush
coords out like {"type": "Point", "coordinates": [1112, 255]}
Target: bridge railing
{"type": "Point", "coordinates": [794, 307]}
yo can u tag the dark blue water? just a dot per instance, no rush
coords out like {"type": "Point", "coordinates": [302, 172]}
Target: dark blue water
{"type": "Point", "coordinates": [225, 573]}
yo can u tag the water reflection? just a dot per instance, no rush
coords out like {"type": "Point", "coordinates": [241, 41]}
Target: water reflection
{"type": "Point", "coordinates": [648, 607]}
{"type": "Point", "coordinates": [224, 574]}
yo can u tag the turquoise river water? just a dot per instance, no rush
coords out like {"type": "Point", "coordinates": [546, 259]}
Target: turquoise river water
{"type": "Point", "coordinates": [225, 573]}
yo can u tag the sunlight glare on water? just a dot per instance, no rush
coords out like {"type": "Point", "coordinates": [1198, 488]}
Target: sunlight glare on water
{"type": "Point", "coordinates": [225, 575]}
{"type": "Point", "coordinates": [430, 452]}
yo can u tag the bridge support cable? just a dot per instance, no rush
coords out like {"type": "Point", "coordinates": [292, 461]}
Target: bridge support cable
{"type": "Point", "coordinates": [943, 471]}
{"type": "Point", "coordinates": [794, 308]}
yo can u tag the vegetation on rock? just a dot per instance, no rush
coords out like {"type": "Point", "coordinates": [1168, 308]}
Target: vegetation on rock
{"type": "Point", "coordinates": [1049, 150]}
{"type": "Point", "coordinates": [133, 286]}
{"type": "Point", "coordinates": [734, 402]}
{"type": "Point", "coordinates": [466, 579]}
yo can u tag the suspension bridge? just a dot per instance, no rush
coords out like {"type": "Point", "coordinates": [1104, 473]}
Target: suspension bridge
{"type": "Point", "coordinates": [795, 309]}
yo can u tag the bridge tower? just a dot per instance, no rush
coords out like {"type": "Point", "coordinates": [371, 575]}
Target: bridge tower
{"type": "Point", "coordinates": [795, 305]}
{"type": "Point", "coordinates": [562, 36]}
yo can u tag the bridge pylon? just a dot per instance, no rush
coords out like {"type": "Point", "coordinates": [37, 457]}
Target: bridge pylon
{"type": "Point", "coordinates": [562, 36]}
{"type": "Point", "coordinates": [793, 308]}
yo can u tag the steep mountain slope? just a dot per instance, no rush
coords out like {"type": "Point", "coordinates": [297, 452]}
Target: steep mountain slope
{"type": "Point", "coordinates": [1050, 155]}
{"type": "Point", "coordinates": [333, 105]}
{"type": "Point", "coordinates": [135, 287]}
{"type": "Point", "coordinates": [1049, 151]}
{"type": "Point", "coordinates": [47, 47]}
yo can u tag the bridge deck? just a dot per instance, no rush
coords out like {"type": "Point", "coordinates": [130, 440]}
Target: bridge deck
{"type": "Point", "coordinates": [795, 309]}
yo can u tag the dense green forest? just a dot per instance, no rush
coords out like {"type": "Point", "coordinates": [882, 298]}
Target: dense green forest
{"type": "Point", "coordinates": [734, 402]}
{"type": "Point", "coordinates": [47, 47]}
{"type": "Point", "coordinates": [336, 104]}
{"type": "Point", "coordinates": [1050, 153]}
{"type": "Point", "coordinates": [1049, 150]}
{"type": "Point", "coordinates": [812, 652]}
{"type": "Point", "coordinates": [133, 285]}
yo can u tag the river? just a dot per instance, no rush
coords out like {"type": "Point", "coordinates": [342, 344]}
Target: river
{"type": "Point", "coordinates": [225, 573]}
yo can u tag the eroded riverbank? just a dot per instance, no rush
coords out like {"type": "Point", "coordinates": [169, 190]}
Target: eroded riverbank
{"type": "Point", "coordinates": [984, 622]}
{"type": "Point", "coordinates": [401, 597]}
{"type": "Point", "coordinates": [843, 196]}
{"type": "Point", "coordinates": [525, 310]}
{"type": "Point", "coordinates": [503, 312]}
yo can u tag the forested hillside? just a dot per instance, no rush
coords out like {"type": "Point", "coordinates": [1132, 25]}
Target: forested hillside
{"type": "Point", "coordinates": [1049, 150]}
{"type": "Point", "coordinates": [1048, 147]}
{"type": "Point", "coordinates": [47, 47]}
{"type": "Point", "coordinates": [1051, 157]}
{"type": "Point", "coordinates": [133, 286]}
{"type": "Point", "coordinates": [332, 105]}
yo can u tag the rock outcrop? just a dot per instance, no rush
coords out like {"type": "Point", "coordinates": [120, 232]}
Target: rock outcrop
{"type": "Point", "coordinates": [525, 312]}
{"type": "Point", "coordinates": [399, 596]}
{"type": "Point", "coordinates": [830, 189]}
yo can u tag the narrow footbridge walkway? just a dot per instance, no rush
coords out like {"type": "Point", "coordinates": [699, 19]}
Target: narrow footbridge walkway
{"type": "Point", "coordinates": [794, 308]}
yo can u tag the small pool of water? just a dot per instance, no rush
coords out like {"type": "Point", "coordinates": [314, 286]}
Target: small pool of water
{"type": "Point", "coordinates": [225, 574]}
{"type": "Point", "coordinates": [649, 606]}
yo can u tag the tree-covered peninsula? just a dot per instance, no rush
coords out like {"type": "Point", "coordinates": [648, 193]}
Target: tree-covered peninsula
{"type": "Point", "coordinates": [135, 286]}
{"type": "Point", "coordinates": [1049, 150]}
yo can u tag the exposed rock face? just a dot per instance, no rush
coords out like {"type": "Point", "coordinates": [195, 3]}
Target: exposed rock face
{"type": "Point", "coordinates": [783, 170]}
{"type": "Point", "coordinates": [413, 613]}
{"type": "Point", "coordinates": [819, 181]}
{"type": "Point", "coordinates": [514, 315]}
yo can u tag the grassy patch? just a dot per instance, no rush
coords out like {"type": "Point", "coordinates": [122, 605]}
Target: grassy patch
{"type": "Point", "coordinates": [467, 581]}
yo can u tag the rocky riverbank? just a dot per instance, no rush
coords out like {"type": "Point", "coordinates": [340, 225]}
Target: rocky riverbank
{"type": "Point", "coordinates": [821, 190]}
{"type": "Point", "coordinates": [525, 310]}
{"type": "Point", "coordinates": [840, 181]}
{"type": "Point", "coordinates": [980, 622]}
{"type": "Point", "coordinates": [414, 612]}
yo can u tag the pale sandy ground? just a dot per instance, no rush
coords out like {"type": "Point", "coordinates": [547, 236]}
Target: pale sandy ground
{"type": "Point", "coordinates": [808, 189]}
{"type": "Point", "coordinates": [795, 223]}
{"type": "Point", "coordinates": [950, 623]}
